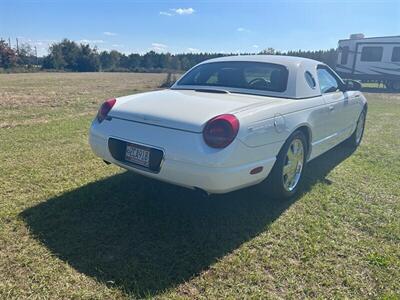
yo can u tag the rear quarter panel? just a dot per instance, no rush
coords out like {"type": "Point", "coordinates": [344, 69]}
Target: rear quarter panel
{"type": "Point", "coordinates": [267, 126]}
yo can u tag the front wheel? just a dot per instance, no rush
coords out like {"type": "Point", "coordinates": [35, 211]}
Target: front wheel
{"type": "Point", "coordinates": [286, 176]}
{"type": "Point", "coordinates": [355, 139]}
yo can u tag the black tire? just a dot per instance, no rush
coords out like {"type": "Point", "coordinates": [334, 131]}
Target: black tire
{"type": "Point", "coordinates": [393, 86]}
{"type": "Point", "coordinates": [274, 185]}
{"type": "Point", "coordinates": [396, 86]}
{"type": "Point", "coordinates": [355, 139]}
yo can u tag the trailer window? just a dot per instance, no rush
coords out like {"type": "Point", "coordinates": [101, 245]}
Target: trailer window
{"type": "Point", "coordinates": [344, 55]}
{"type": "Point", "coordinates": [396, 54]}
{"type": "Point", "coordinates": [371, 53]}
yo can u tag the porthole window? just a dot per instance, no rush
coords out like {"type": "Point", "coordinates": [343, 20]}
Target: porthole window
{"type": "Point", "coordinates": [310, 79]}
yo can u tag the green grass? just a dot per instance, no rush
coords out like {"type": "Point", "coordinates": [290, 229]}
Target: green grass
{"type": "Point", "coordinates": [72, 227]}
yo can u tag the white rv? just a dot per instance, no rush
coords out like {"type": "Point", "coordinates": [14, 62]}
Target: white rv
{"type": "Point", "coordinates": [375, 59]}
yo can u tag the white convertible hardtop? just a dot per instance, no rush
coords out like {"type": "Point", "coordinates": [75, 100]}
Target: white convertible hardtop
{"type": "Point", "coordinates": [297, 86]}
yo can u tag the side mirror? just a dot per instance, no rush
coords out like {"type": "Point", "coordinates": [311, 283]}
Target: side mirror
{"type": "Point", "coordinates": [352, 85]}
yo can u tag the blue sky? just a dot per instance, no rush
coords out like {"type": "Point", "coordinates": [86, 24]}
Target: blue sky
{"type": "Point", "coordinates": [193, 26]}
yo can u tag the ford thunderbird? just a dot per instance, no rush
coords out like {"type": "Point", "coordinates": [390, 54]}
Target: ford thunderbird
{"type": "Point", "coordinates": [233, 122]}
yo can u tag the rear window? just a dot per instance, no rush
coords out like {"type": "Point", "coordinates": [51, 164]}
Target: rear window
{"type": "Point", "coordinates": [371, 53]}
{"type": "Point", "coordinates": [238, 74]}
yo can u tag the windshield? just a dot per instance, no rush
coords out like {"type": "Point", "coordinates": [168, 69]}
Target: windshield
{"type": "Point", "coordinates": [238, 74]}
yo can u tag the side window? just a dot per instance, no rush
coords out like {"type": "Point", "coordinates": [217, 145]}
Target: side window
{"type": "Point", "coordinates": [396, 54]}
{"type": "Point", "coordinates": [345, 55]}
{"type": "Point", "coordinates": [327, 82]}
{"type": "Point", "coordinates": [371, 53]}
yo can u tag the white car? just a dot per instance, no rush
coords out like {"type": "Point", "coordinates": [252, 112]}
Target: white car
{"type": "Point", "coordinates": [233, 122]}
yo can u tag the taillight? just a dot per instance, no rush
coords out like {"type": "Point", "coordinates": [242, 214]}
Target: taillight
{"type": "Point", "coordinates": [105, 109]}
{"type": "Point", "coordinates": [221, 130]}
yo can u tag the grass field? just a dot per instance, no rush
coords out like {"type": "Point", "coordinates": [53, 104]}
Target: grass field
{"type": "Point", "coordinates": [72, 227]}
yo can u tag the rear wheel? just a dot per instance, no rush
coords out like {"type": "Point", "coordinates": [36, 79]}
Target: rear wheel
{"type": "Point", "coordinates": [287, 173]}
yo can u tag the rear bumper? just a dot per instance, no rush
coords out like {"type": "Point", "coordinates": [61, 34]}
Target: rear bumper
{"type": "Point", "coordinates": [194, 173]}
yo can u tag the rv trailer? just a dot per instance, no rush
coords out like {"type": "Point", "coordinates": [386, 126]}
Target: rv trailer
{"type": "Point", "coordinates": [375, 59]}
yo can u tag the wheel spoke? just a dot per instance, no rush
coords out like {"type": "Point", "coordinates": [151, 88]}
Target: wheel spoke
{"type": "Point", "coordinates": [295, 148]}
{"type": "Point", "coordinates": [290, 154]}
{"type": "Point", "coordinates": [294, 164]}
{"type": "Point", "coordinates": [286, 169]}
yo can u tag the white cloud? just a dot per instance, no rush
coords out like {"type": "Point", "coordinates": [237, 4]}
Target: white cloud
{"type": "Point", "coordinates": [183, 11]}
{"type": "Point", "coordinates": [164, 13]}
{"type": "Point", "coordinates": [255, 46]}
{"type": "Point", "coordinates": [109, 33]}
{"type": "Point", "coordinates": [193, 50]}
{"type": "Point", "coordinates": [159, 47]}
{"type": "Point", "coordinates": [117, 45]}
{"type": "Point", "coordinates": [85, 41]}
{"type": "Point", "coordinates": [241, 29]}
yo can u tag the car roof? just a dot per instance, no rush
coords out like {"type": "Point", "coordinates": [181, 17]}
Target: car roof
{"type": "Point", "coordinates": [297, 86]}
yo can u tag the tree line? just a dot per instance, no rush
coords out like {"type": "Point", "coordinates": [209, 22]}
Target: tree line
{"type": "Point", "coordinates": [68, 55]}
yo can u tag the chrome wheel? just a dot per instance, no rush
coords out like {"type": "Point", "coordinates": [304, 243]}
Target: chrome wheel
{"type": "Point", "coordinates": [360, 128]}
{"type": "Point", "coordinates": [293, 165]}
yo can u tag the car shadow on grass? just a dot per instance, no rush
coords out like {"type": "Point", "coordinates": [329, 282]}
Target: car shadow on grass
{"type": "Point", "coordinates": [143, 236]}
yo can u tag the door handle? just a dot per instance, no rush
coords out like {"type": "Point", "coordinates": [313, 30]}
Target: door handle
{"type": "Point", "coordinates": [331, 107]}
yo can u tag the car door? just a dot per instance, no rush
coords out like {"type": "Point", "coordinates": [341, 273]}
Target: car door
{"type": "Point", "coordinates": [336, 103]}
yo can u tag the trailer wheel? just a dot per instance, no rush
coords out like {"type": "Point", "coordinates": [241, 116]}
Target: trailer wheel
{"type": "Point", "coordinates": [396, 86]}
{"type": "Point", "coordinates": [393, 85]}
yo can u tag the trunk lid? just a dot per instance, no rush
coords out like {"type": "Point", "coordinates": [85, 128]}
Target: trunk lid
{"type": "Point", "coordinates": [187, 110]}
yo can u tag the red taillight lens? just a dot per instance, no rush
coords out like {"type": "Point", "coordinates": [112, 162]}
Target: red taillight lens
{"type": "Point", "coordinates": [105, 109]}
{"type": "Point", "coordinates": [220, 131]}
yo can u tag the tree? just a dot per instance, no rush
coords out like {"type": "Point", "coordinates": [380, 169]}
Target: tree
{"type": "Point", "coordinates": [70, 52]}
{"type": "Point", "coordinates": [55, 60]}
{"type": "Point", "coordinates": [149, 60]}
{"type": "Point", "coordinates": [133, 61]}
{"type": "Point", "coordinates": [8, 57]}
{"type": "Point", "coordinates": [269, 51]}
{"type": "Point", "coordinates": [26, 55]}
{"type": "Point", "coordinates": [68, 55]}
{"type": "Point", "coordinates": [175, 63]}
{"type": "Point", "coordinates": [87, 60]}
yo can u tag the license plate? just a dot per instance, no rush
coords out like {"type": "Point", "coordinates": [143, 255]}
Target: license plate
{"type": "Point", "coordinates": [137, 155]}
